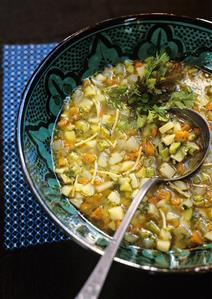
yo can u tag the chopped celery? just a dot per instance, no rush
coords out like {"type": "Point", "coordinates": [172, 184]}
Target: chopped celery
{"type": "Point", "coordinates": [174, 147]}
{"type": "Point", "coordinates": [180, 154]}
{"type": "Point", "coordinates": [168, 139]}
{"type": "Point", "coordinates": [192, 147]}
{"type": "Point", "coordinates": [165, 128]}
{"type": "Point", "coordinates": [149, 172]}
{"type": "Point", "coordinates": [164, 153]}
{"type": "Point", "coordinates": [152, 226]}
{"type": "Point", "coordinates": [166, 170]}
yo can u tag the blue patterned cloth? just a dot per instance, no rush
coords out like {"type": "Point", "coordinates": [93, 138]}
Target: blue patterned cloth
{"type": "Point", "coordinates": [25, 221]}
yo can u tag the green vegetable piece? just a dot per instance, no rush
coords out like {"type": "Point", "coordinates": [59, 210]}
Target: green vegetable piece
{"type": "Point", "coordinates": [164, 153]}
{"type": "Point", "coordinates": [149, 172]}
{"type": "Point", "coordinates": [180, 154]}
{"type": "Point", "coordinates": [168, 139]}
{"type": "Point", "coordinates": [141, 121]}
{"type": "Point", "coordinates": [192, 147]}
{"type": "Point", "coordinates": [152, 226]}
{"type": "Point", "coordinates": [174, 147]}
{"type": "Point", "coordinates": [187, 214]}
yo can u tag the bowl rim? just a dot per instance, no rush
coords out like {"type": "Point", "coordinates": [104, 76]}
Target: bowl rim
{"type": "Point", "coordinates": [29, 86]}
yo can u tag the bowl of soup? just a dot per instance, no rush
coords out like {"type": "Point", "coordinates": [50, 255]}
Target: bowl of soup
{"type": "Point", "coordinates": [96, 122]}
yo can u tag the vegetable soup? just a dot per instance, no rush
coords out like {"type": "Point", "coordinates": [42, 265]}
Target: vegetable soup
{"type": "Point", "coordinates": [116, 131]}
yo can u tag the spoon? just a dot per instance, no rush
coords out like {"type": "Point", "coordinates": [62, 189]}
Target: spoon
{"type": "Point", "coordinates": [94, 284]}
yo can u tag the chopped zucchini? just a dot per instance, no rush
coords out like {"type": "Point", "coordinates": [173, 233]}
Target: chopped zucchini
{"type": "Point", "coordinates": [174, 147]}
{"type": "Point", "coordinates": [165, 128]}
{"type": "Point", "coordinates": [168, 139]}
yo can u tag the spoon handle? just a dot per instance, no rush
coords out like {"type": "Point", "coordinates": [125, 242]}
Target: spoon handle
{"type": "Point", "coordinates": [94, 284]}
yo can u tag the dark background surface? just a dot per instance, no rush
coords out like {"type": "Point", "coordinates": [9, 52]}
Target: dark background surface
{"type": "Point", "coordinates": [59, 270]}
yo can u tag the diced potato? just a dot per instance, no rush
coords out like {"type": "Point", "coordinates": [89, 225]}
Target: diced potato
{"type": "Point", "coordinates": [116, 213]}
{"type": "Point", "coordinates": [86, 104]}
{"type": "Point", "coordinates": [104, 186]}
{"type": "Point", "coordinates": [107, 119]}
{"type": "Point", "coordinates": [60, 170]}
{"type": "Point", "coordinates": [91, 143]}
{"type": "Point", "coordinates": [177, 127]}
{"type": "Point", "coordinates": [165, 234]}
{"type": "Point", "coordinates": [114, 197]}
{"type": "Point", "coordinates": [163, 245]}
{"type": "Point", "coordinates": [76, 201]}
{"type": "Point", "coordinates": [65, 178]}
{"type": "Point", "coordinates": [169, 139]}
{"type": "Point", "coordinates": [134, 181]}
{"type": "Point", "coordinates": [88, 189]}
{"type": "Point", "coordinates": [116, 158]}
{"type": "Point", "coordinates": [166, 170]}
{"type": "Point", "coordinates": [103, 159]}
{"type": "Point", "coordinates": [66, 190]}
{"type": "Point", "coordinates": [165, 128]}
{"type": "Point", "coordinates": [82, 125]}
{"type": "Point", "coordinates": [171, 216]}
{"type": "Point", "coordinates": [70, 135]}
{"type": "Point", "coordinates": [132, 144]}
{"type": "Point", "coordinates": [126, 165]}
{"type": "Point", "coordinates": [125, 184]}
{"type": "Point", "coordinates": [208, 236]}
{"type": "Point", "coordinates": [89, 91]}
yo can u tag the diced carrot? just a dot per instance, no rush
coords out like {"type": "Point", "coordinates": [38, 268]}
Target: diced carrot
{"type": "Point", "coordinates": [209, 106]}
{"type": "Point", "coordinates": [148, 148]}
{"type": "Point", "coordinates": [61, 162]}
{"type": "Point", "coordinates": [62, 123]}
{"type": "Point", "coordinates": [197, 238]}
{"type": "Point", "coordinates": [97, 214]}
{"type": "Point", "coordinates": [197, 131]}
{"type": "Point", "coordinates": [74, 112]}
{"type": "Point", "coordinates": [186, 127]}
{"type": "Point", "coordinates": [68, 143]}
{"type": "Point", "coordinates": [113, 81]}
{"type": "Point", "coordinates": [138, 64]}
{"type": "Point", "coordinates": [83, 180]}
{"type": "Point", "coordinates": [180, 168]}
{"type": "Point", "coordinates": [163, 194]}
{"type": "Point", "coordinates": [175, 201]}
{"type": "Point", "coordinates": [131, 156]}
{"type": "Point", "coordinates": [154, 132]}
{"type": "Point", "coordinates": [153, 199]}
{"type": "Point", "coordinates": [88, 158]}
{"type": "Point", "coordinates": [182, 135]}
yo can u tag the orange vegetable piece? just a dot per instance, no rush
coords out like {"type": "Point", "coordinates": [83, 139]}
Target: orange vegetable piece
{"type": "Point", "coordinates": [197, 238]}
{"type": "Point", "coordinates": [83, 180]}
{"type": "Point", "coordinates": [62, 123]}
{"type": "Point", "coordinates": [163, 194]}
{"type": "Point", "coordinates": [154, 132]}
{"type": "Point", "coordinates": [61, 161]}
{"type": "Point", "coordinates": [210, 226]}
{"type": "Point", "coordinates": [180, 168]}
{"type": "Point", "coordinates": [153, 199]}
{"type": "Point", "coordinates": [131, 156]}
{"type": "Point", "coordinates": [148, 148]}
{"type": "Point", "coordinates": [98, 214]}
{"type": "Point", "coordinates": [74, 112]}
{"type": "Point", "coordinates": [186, 127]}
{"type": "Point", "coordinates": [182, 135]}
{"type": "Point", "coordinates": [138, 64]}
{"type": "Point", "coordinates": [209, 106]}
{"type": "Point", "coordinates": [88, 158]}
{"type": "Point", "coordinates": [175, 201]}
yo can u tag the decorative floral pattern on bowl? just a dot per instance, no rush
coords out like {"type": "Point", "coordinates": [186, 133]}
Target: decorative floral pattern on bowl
{"type": "Point", "coordinates": [78, 57]}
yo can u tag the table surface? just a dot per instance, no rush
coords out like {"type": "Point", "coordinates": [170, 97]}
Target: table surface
{"type": "Point", "coordinates": [59, 270]}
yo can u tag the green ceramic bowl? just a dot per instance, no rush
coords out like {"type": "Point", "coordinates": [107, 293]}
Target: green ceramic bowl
{"type": "Point", "coordinates": [74, 59]}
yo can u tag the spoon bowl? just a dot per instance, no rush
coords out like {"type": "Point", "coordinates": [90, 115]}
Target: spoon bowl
{"type": "Point", "coordinates": [94, 284]}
